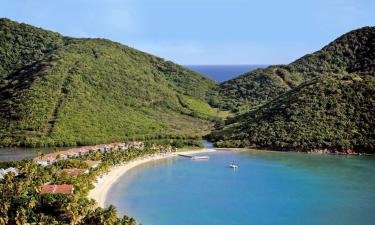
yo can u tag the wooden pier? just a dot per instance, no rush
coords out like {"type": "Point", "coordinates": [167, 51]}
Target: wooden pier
{"type": "Point", "coordinates": [194, 157]}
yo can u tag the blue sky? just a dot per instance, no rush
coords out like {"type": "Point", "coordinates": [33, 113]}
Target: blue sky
{"type": "Point", "coordinates": [202, 31]}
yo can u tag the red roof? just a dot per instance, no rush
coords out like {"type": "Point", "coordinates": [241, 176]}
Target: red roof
{"type": "Point", "coordinates": [63, 189]}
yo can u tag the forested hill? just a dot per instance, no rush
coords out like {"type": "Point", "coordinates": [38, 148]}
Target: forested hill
{"type": "Point", "coordinates": [57, 90]}
{"type": "Point", "coordinates": [332, 108]}
{"type": "Point", "coordinates": [333, 112]}
{"type": "Point", "coordinates": [352, 52]}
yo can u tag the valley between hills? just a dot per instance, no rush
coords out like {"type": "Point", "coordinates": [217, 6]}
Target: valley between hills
{"type": "Point", "coordinates": [63, 91]}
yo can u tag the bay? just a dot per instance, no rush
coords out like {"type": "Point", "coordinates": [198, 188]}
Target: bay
{"type": "Point", "coordinates": [267, 188]}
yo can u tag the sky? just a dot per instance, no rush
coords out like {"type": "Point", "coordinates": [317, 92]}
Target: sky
{"type": "Point", "coordinates": [214, 32]}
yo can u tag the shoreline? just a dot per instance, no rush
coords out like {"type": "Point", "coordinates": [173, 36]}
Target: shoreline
{"type": "Point", "coordinates": [100, 191]}
{"type": "Point", "coordinates": [312, 152]}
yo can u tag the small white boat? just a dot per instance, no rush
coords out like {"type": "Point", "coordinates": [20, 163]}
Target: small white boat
{"type": "Point", "coordinates": [199, 157]}
{"type": "Point", "coordinates": [233, 166]}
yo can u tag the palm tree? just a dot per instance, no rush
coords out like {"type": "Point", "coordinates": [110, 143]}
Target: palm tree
{"type": "Point", "coordinates": [110, 215]}
{"type": "Point", "coordinates": [20, 218]}
{"type": "Point", "coordinates": [74, 210]}
{"type": "Point", "coordinates": [4, 207]}
{"type": "Point", "coordinates": [128, 220]}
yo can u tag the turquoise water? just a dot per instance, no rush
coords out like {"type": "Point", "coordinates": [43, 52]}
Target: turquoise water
{"type": "Point", "coordinates": [268, 188]}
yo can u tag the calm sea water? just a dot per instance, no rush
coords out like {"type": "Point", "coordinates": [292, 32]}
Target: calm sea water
{"type": "Point", "coordinates": [222, 73]}
{"type": "Point", "coordinates": [10, 154]}
{"type": "Point", "coordinates": [267, 188]}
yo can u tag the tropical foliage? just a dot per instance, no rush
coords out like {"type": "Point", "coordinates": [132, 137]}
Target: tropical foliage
{"type": "Point", "coordinates": [352, 52]}
{"type": "Point", "coordinates": [322, 101]}
{"type": "Point", "coordinates": [61, 91]}
{"type": "Point", "coordinates": [333, 112]}
{"type": "Point", "coordinates": [21, 201]}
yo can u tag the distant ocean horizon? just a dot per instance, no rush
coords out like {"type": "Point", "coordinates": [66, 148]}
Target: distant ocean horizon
{"type": "Point", "coordinates": [221, 73]}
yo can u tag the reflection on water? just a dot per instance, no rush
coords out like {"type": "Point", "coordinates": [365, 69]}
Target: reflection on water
{"type": "Point", "coordinates": [316, 163]}
{"type": "Point", "coordinates": [10, 154]}
{"type": "Point", "coordinates": [208, 144]}
{"type": "Point", "coordinates": [268, 188]}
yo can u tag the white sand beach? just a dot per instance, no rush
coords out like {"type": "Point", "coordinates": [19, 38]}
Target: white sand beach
{"type": "Point", "coordinates": [99, 193]}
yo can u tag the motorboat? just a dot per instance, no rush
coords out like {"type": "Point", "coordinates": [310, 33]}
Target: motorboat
{"type": "Point", "coordinates": [233, 166]}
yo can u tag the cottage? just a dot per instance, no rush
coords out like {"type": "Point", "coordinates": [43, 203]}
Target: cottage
{"type": "Point", "coordinates": [136, 144]}
{"type": "Point", "coordinates": [119, 146]}
{"type": "Point", "coordinates": [62, 189]}
{"type": "Point", "coordinates": [108, 148]}
{"type": "Point", "coordinates": [45, 160]}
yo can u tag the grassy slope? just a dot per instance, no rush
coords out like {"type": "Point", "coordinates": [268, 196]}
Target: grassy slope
{"type": "Point", "coordinates": [328, 112]}
{"type": "Point", "coordinates": [85, 91]}
{"type": "Point", "coordinates": [351, 52]}
{"type": "Point", "coordinates": [333, 108]}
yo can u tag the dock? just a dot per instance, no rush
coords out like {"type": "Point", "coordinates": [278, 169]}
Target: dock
{"type": "Point", "coordinates": [194, 157]}
{"type": "Point", "coordinates": [187, 156]}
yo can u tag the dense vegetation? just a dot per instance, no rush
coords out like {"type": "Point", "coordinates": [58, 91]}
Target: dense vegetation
{"type": "Point", "coordinates": [352, 52]}
{"type": "Point", "coordinates": [22, 203]}
{"type": "Point", "coordinates": [325, 100]}
{"type": "Point", "coordinates": [59, 91]}
{"type": "Point", "coordinates": [334, 112]}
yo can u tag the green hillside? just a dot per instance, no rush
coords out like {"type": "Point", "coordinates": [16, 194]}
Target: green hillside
{"type": "Point", "coordinates": [352, 52]}
{"type": "Point", "coordinates": [334, 112]}
{"type": "Point", "coordinates": [56, 90]}
{"type": "Point", "coordinates": [325, 100]}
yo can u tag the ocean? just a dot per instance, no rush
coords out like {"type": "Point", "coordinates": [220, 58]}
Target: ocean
{"type": "Point", "coordinates": [267, 188]}
{"type": "Point", "coordinates": [222, 73]}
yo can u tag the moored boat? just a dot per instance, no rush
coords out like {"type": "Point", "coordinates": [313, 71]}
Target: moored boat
{"type": "Point", "coordinates": [233, 166]}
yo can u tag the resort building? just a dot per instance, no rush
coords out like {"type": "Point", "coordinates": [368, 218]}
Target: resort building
{"type": "Point", "coordinates": [4, 172]}
{"type": "Point", "coordinates": [136, 144]}
{"type": "Point", "coordinates": [62, 189]}
{"type": "Point", "coordinates": [50, 158]}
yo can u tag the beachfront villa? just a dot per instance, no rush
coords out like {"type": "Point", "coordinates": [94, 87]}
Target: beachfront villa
{"type": "Point", "coordinates": [62, 189]}
{"type": "Point", "coordinates": [135, 144]}
{"type": "Point", "coordinates": [4, 172]}
{"type": "Point", "coordinates": [50, 158]}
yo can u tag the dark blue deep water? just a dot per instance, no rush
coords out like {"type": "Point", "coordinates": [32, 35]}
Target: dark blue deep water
{"type": "Point", "coordinates": [222, 73]}
{"type": "Point", "coordinates": [268, 188]}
